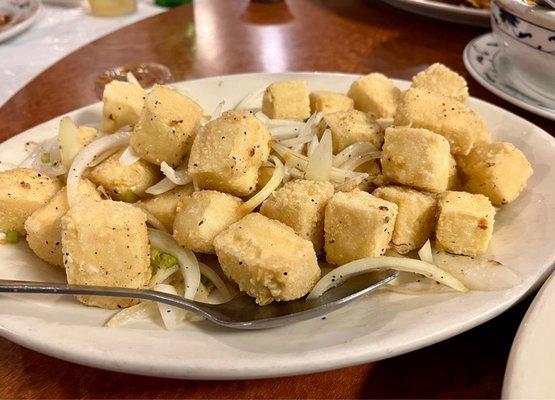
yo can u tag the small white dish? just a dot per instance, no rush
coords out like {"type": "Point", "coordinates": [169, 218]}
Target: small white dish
{"type": "Point", "coordinates": [488, 64]}
{"type": "Point", "coordinates": [529, 373]}
{"type": "Point", "coordinates": [444, 11]}
{"type": "Point", "coordinates": [379, 326]}
{"type": "Point", "coordinates": [21, 13]}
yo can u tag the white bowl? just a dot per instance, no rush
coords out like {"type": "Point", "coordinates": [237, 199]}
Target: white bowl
{"type": "Point", "coordinates": [527, 36]}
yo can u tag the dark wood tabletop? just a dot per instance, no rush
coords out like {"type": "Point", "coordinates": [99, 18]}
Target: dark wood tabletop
{"type": "Point", "coordinates": [216, 37]}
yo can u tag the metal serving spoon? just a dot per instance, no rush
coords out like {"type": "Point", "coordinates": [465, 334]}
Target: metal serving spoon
{"type": "Point", "coordinates": [241, 312]}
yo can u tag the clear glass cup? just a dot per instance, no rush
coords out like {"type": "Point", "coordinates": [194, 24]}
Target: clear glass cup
{"type": "Point", "coordinates": [112, 8]}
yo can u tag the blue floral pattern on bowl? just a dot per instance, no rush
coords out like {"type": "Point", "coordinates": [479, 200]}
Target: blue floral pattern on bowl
{"type": "Point", "coordinates": [526, 32]}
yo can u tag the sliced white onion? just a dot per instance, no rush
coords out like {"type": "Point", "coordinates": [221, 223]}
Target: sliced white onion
{"type": "Point", "coordinates": [297, 141]}
{"type": "Point", "coordinates": [350, 184]}
{"type": "Point", "coordinates": [177, 176]}
{"type": "Point", "coordinates": [55, 169]}
{"type": "Point", "coordinates": [320, 162]}
{"type": "Point", "coordinates": [216, 280]}
{"type": "Point", "coordinates": [99, 158]}
{"type": "Point", "coordinates": [129, 156]}
{"type": "Point", "coordinates": [139, 312]}
{"type": "Point", "coordinates": [6, 166]}
{"type": "Point", "coordinates": [477, 273]}
{"type": "Point", "coordinates": [358, 267]}
{"type": "Point", "coordinates": [187, 261]}
{"type": "Point", "coordinates": [309, 129]}
{"type": "Point", "coordinates": [425, 252]}
{"type": "Point", "coordinates": [354, 163]}
{"type": "Point", "coordinates": [273, 123]}
{"type": "Point", "coordinates": [251, 100]}
{"type": "Point", "coordinates": [218, 111]}
{"type": "Point", "coordinates": [267, 190]}
{"type": "Point", "coordinates": [153, 221]}
{"type": "Point", "coordinates": [85, 156]}
{"type": "Point", "coordinates": [171, 316]}
{"type": "Point", "coordinates": [165, 185]}
{"type": "Point", "coordinates": [132, 79]}
{"type": "Point", "coordinates": [162, 274]}
{"type": "Point", "coordinates": [103, 192]}
{"type": "Point", "coordinates": [414, 284]}
{"type": "Point", "coordinates": [70, 141]}
{"type": "Point", "coordinates": [284, 132]}
{"type": "Point", "coordinates": [352, 151]}
{"type": "Point", "coordinates": [312, 145]}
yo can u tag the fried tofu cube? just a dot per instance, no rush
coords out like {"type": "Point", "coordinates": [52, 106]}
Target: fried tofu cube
{"type": "Point", "coordinates": [164, 206]}
{"type": "Point", "coordinates": [415, 218]}
{"type": "Point", "coordinates": [228, 152]}
{"type": "Point", "coordinates": [443, 115]}
{"type": "Point", "coordinates": [300, 204]}
{"type": "Point", "coordinates": [375, 93]}
{"type": "Point", "coordinates": [498, 170]}
{"type": "Point", "coordinates": [202, 216]}
{"type": "Point", "coordinates": [264, 176]}
{"type": "Point", "coordinates": [267, 259]}
{"type": "Point", "coordinates": [22, 192]}
{"type": "Point", "coordinates": [87, 134]}
{"type": "Point", "coordinates": [122, 105]}
{"type": "Point", "coordinates": [348, 127]}
{"type": "Point", "coordinates": [437, 78]}
{"type": "Point", "coordinates": [416, 157]}
{"type": "Point", "coordinates": [125, 182]}
{"type": "Point", "coordinates": [357, 225]}
{"type": "Point", "coordinates": [465, 223]}
{"type": "Point", "coordinates": [44, 226]}
{"type": "Point", "coordinates": [166, 127]}
{"type": "Point", "coordinates": [454, 181]}
{"type": "Point", "coordinates": [329, 102]}
{"type": "Point", "coordinates": [105, 243]}
{"type": "Point", "coordinates": [286, 100]}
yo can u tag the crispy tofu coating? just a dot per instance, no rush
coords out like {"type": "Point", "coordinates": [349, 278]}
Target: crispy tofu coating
{"type": "Point", "coordinates": [202, 216]}
{"type": "Point", "coordinates": [348, 127]}
{"type": "Point", "coordinates": [166, 127]}
{"type": "Point", "coordinates": [22, 192]}
{"type": "Point", "coordinates": [498, 170]}
{"type": "Point", "coordinates": [286, 100]}
{"type": "Point", "coordinates": [415, 218]}
{"type": "Point", "coordinates": [44, 226]}
{"type": "Point", "coordinates": [465, 223]}
{"type": "Point", "coordinates": [105, 243]}
{"type": "Point", "coordinates": [329, 102]}
{"type": "Point", "coordinates": [300, 204]}
{"type": "Point", "coordinates": [375, 93]}
{"type": "Point", "coordinates": [228, 152]}
{"type": "Point", "coordinates": [123, 182]}
{"type": "Point", "coordinates": [357, 225]}
{"type": "Point", "coordinates": [439, 79]}
{"type": "Point", "coordinates": [267, 259]}
{"type": "Point", "coordinates": [122, 105]}
{"type": "Point", "coordinates": [417, 158]}
{"type": "Point", "coordinates": [461, 126]}
{"type": "Point", "coordinates": [164, 206]}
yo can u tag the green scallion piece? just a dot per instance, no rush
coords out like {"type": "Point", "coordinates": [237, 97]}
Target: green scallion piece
{"type": "Point", "coordinates": [12, 237]}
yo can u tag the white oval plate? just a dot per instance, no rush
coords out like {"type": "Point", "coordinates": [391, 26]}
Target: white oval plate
{"type": "Point", "coordinates": [444, 11]}
{"type": "Point", "coordinates": [23, 14]}
{"type": "Point", "coordinates": [529, 373]}
{"type": "Point", "coordinates": [377, 327]}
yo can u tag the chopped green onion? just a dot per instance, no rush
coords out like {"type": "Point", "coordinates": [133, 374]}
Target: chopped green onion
{"type": "Point", "coordinates": [12, 236]}
{"type": "Point", "coordinates": [45, 158]}
{"type": "Point", "coordinates": [162, 260]}
{"type": "Point", "coordinates": [129, 197]}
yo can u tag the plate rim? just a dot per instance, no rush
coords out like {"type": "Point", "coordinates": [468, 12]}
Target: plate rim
{"type": "Point", "coordinates": [494, 89]}
{"type": "Point", "coordinates": [21, 26]}
{"type": "Point", "coordinates": [315, 365]}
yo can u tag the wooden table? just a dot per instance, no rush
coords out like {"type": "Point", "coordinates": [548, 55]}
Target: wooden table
{"type": "Point", "coordinates": [232, 36]}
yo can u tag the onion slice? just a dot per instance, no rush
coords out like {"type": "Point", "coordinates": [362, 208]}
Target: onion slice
{"type": "Point", "coordinates": [266, 191]}
{"type": "Point", "coordinates": [171, 316]}
{"type": "Point", "coordinates": [320, 162]}
{"type": "Point", "coordinates": [177, 176]}
{"type": "Point", "coordinates": [364, 265]}
{"type": "Point", "coordinates": [251, 100]}
{"type": "Point", "coordinates": [129, 156]}
{"type": "Point", "coordinates": [352, 151]}
{"type": "Point", "coordinates": [187, 261]}
{"type": "Point", "coordinates": [85, 156]}
{"type": "Point", "coordinates": [162, 275]}
{"type": "Point", "coordinates": [132, 79]}
{"type": "Point", "coordinates": [70, 141]}
{"type": "Point", "coordinates": [139, 312]}
{"type": "Point", "coordinates": [425, 252]}
{"type": "Point", "coordinates": [353, 163]}
{"type": "Point", "coordinates": [165, 185]}
{"type": "Point", "coordinates": [216, 280]}
{"type": "Point", "coordinates": [218, 111]}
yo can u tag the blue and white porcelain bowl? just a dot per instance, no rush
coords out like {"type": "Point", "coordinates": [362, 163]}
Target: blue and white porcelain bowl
{"type": "Point", "coordinates": [526, 34]}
